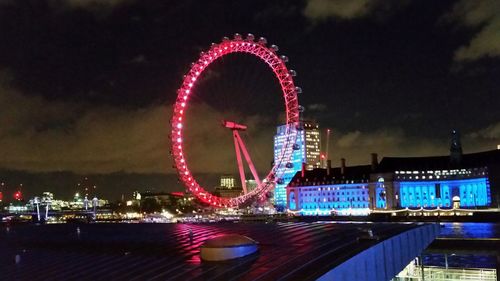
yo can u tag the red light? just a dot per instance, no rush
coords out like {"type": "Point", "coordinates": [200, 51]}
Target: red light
{"type": "Point", "coordinates": [18, 196]}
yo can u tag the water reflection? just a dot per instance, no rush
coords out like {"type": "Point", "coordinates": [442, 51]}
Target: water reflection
{"type": "Point", "coordinates": [470, 230]}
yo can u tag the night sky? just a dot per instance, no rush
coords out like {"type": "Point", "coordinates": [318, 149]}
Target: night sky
{"type": "Point", "coordinates": [87, 86]}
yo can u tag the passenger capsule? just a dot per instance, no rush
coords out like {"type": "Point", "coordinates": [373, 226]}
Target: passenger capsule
{"type": "Point", "coordinates": [237, 36]}
{"type": "Point", "coordinates": [250, 37]}
{"type": "Point", "coordinates": [274, 48]}
{"type": "Point", "coordinates": [298, 90]}
{"type": "Point", "coordinates": [284, 58]}
{"type": "Point", "coordinates": [292, 72]}
{"type": "Point", "coordinates": [262, 41]}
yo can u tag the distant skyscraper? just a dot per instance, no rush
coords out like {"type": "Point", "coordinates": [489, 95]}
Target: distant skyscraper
{"type": "Point", "coordinates": [227, 181]}
{"type": "Point", "coordinates": [228, 187]}
{"type": "Point", "coordinates": [305, 150]}
{"type": "Point", "coordinates": [313, 144]}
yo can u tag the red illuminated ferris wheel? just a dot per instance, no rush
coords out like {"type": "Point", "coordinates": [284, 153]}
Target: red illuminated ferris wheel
{"type": "Point", "coordinates": [284, 76]}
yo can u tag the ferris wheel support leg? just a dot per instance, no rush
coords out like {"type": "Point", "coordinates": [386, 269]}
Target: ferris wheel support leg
{"type": "Point", "coordinates": [240, 162]}
{"type": "Point", "coordinates": [249, 160]}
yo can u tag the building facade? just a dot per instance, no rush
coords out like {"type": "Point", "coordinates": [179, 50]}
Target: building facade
{"type": "Point", "coordinates": [457, 181]}
{"type": "Point", "coordinates": [469, 181]}
{"type": "Point", "coordinates": [306, 149]}
{"type": "Point", "coordinates": [227, 181]}
{"type": "Point", "coordinates": [330, 191]}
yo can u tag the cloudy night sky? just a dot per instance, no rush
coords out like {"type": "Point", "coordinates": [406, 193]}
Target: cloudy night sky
{"type": "Point", "coordinates": [87, 86]}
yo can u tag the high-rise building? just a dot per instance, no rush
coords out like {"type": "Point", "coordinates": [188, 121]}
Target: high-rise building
{"type": "Point", "coordinates": [228, 187]}
{"type": "Point", "coordinates": [312, 145]}
{"type": "Point", "coordinates": [227, 181]}
{"type": "Point", "coordinates": [306, 149]}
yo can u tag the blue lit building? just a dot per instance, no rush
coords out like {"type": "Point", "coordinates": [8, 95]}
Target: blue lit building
{"type": "Point", "coordinates": [471, 181]}
{"type": "Point", "coordinates": [331, 191]}
{"type": "Point", "coordinates": [455, 181]}
{"type": "Point", "coordinates": [305, 150]}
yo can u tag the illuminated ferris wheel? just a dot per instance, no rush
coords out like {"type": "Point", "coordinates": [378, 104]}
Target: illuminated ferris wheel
{"type": "Point", "coordinates": [277, 64]}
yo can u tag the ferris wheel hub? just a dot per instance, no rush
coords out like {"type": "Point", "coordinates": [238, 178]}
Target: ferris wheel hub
{"type": "Point", "coordinates": [233, 125]}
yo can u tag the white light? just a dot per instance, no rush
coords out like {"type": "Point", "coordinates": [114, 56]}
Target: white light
{"type": "Point", "coordinates": [179, 139]}
{"type": "Point", "coordinates": [179, 126]}
{"type": "Point", "coordinates": [187, 91]}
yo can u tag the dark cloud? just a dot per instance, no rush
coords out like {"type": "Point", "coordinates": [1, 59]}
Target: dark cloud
{"type": "Point", "coordinates": [356, 146]}
{"type": "Point", "coordinates": [343, 9]}
{"type": "Point", "coordinates": [38, 135]}
{"type": "Point", "coordinates": [92, 5]}
{"type": "Point", "coordinates": [94, 94]}
{"type": "Point", "coordinates": [483, 16]}
{"type": "Point", "coordinates": [317, 107]}
{"type": "Point", "coordinates": [319, 10]}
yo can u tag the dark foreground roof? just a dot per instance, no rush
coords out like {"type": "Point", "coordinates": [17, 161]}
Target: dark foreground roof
{"type": "Point", "coordinates": [472, 160]}
{"type": "Point", "coordinates": [288, 251]}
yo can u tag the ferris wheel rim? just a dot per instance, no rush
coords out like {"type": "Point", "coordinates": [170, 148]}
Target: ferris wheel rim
{"type": "Point", "coordinates": [289, 92]}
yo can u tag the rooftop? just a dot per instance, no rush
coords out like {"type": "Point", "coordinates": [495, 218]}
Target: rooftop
{"type": "Point", "coordinates": [291, 251]}
{"type": "Point", "coordinates": [471, 160]}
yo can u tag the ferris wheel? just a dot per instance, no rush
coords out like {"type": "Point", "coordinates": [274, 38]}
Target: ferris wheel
{"type": "Point", "coordinates": [277, 64]}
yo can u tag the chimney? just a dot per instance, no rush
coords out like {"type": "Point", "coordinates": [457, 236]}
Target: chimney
{"type": "Point", "coordinates": [328, 167]}
{"type": "Point", "coordinates": [303, 170]}
{"type": "Point", "coordinates": [374, 161]}
{"type": "Point", "coordinates": [342, 166]}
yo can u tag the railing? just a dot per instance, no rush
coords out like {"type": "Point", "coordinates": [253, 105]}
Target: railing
{"type": "Point", "coordinates": [434, 273]}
